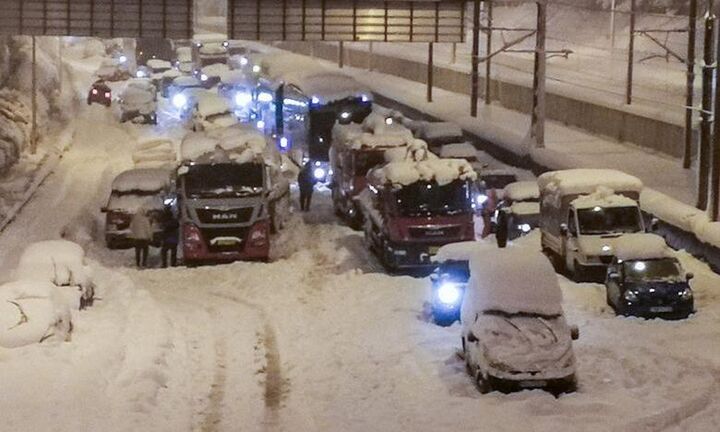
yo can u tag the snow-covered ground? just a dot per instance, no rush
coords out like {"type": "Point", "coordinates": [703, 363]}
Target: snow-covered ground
{"type": "Point", "coordinates": [318, 340]}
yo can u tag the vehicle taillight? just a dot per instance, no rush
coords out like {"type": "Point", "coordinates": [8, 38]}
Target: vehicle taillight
{"type": "Point", "coordinates": [259, 235]}
{"type": "Point", "coordinates": [191, 234]}
{"type": "Point", "coordinates": [94, 91]}
{"type": "Point", "coordinates": [107, 95]}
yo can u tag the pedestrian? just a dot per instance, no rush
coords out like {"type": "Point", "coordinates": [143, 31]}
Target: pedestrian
{"type": "Point", "coordinates": [141, 232]}
{"type": "Point", "coordinates": [306, 184]}
{"type": "Point", "coordinates": [170, 237]}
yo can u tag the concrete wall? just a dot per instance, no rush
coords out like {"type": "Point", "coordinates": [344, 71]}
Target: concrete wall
{"type": "Point", "coordinates": [610, 122]}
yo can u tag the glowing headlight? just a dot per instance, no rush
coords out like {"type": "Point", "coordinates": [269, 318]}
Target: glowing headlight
{"type": "Point", "coordinates": [345, 115]}
{"type": "Point", "coordinates": [243, 99]}
{"type": "Point", "coordinates": [449, 293]}
{"type": "Point", "coordinates": [606, 248]}
{"type": "Point", "coordinates": [284, 142]}
{"type": "Point", "coordinates": [226, 44]}
{"type": "Point", "coordinates": [389, 121]}
{"type": "Point", "coordinates": [179, 101]}
{"type": "Point", "coordinates": [630, 296]}
{"type": "Point", "coordinates": [686, 294]}
{"type": "Point", "coordinates": [265, 97]}
{"type": "Point", "coordinates": [481, 199]}
{"type": "Point", "coordinates": [365, 98]}
{"type": "Point", "coordinates": [260, 124]}
{"type": "Point", "coordinates": [319, 173]}
{"type": "Point", "coordinates": [204, 77]}
{"type": "Point", "coordinates": [243, 61]}
{"type": "Point", "coordinates": [140, 74]}
{"type": "Point", "coordinates": [315, 100]}
{"type": "Point", "coordinates": [526, 228]}
{"type": "Point", "coordinates": [256, 69]}
{"type": "Point", "coordinates": [122, 59]}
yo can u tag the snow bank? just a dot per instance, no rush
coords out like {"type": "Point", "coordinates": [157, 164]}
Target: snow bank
{"type": "Point", "coordinates": [159, 65]}
{"type": "Point", "coordinates": [30, 312]}
{"type": "Point", "coordinates": [647, 246]}
{"type": "Point", "coordinates": [462, 251]}
{"type": "Point", "coordinates": [586, 181]}
{"type": "Point", "coordinates": [142, 179]}
{"type": "Point", "coordinates": [603, 197]}
{"type": "Point", "coordinates": [431, 131]}
{"type": "Point", "coordinates": [499, 280]}
{"type": "Point", "coordinates": [442, 171]}
{"type": "Point", "coordinates": [61, 262]}
{"type": "Point", "coordinates": [522, 191]}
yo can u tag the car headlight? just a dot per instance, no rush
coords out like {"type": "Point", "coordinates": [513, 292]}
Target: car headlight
{"type": "Point", "coordinates": [243, 99]}
{"type": "Point", "coordinates": [449, 293]}
{"type": "Point", "coordinates": [481, 199]}
{"type": "Point", "coordinates": [204, 77]}
{"type": "Point", "coordinates": [526, 228]}
{"type": "Point", "coordinates": [319, 173]}
{"type": "Point", "coordinates": [686, 294]}
{"type": "Point", "coordinates": [630, 296]}
{"type": "Point", "coordinates": [179, 101]}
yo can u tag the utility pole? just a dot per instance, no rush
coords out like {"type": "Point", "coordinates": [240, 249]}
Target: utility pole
{"type": "Point", "coordinates": [341, 54]}
{"type": "Point", "coordinates": [60, 63]}
{"type": "Point", "coordinates": [612, 26]}
{"type": "Point", "coordinates": [537, 126]}
{"type": "Point", "coordinates": [690, 90]}
{"type": "Point", "coordinates": [631, 55]}
{"type": "Point", "coordinates": [370, 56]}
{"type": "Point", "coordinates": [706, 116]}
{"type": "Point", "coordinates": [34, 131]}
{"type": "Point", "coordinates": [475, 59]}
{"type": "Point", "coordinates": [715, 165]}
{"type": "Point", "coordinates": [488, 50]}
{"type": "Point", "coordinates": [430, 68]}
{"type": "Point", "coordinates": [453, 53]}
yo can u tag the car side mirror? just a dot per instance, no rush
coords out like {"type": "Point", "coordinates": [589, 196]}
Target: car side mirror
{"type": "Point", "coordinates": [689, 276]}
{"type": "Point", "coordinates": [574, 332]}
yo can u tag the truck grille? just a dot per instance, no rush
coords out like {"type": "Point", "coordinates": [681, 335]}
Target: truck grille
{"type": "Point", "coordinates": [230, 216]}
{"type": "Point", "coordinates": [220, 240]}
{"type": "Point", "coordinates": [432, 233]}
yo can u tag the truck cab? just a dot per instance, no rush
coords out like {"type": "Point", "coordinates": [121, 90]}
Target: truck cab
{"type": "Point", "coordinates": [412, 209]}
{"type": "Point", "coordinates": [583, 214]}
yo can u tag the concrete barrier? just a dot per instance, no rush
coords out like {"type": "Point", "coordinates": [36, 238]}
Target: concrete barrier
{"type": "Point", "coordinates": [613, 123]}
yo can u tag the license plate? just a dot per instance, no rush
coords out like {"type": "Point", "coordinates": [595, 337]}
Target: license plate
{"type": "Point", "coordinates": [661, 309]}
{"type": "Point", "coordinates": [433, 250]}
{"type": "Point", "coordinates": [226, 243]}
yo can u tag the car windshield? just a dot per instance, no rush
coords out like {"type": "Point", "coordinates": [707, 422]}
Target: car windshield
{"type": "Point", "coordinates": [610, 220]}
{"type": "Point", "coordinates": [657, 270]}
{"type": "Point", "coordinates": [429, 198]}
{"type": "Point", "coordinates": [365, 161]}
{"type": "Point", "coordinates": [224, 180]}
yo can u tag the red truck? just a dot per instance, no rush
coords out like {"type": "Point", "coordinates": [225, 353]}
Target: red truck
{"type": "Point", "coordinates": [355, 150]}
{"type": "Point", "coordinates": [413, 208]}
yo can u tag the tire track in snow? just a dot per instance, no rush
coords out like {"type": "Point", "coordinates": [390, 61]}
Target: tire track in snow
{"type": "Point", "coordinates": [212, 415]}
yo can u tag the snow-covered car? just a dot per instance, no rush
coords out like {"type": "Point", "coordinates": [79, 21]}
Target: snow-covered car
{"type": "Point", "coordinates": [209, 52]}
{"type": "Point", "coordinates": [100, 93]}
{"type": "Point", "coordinates": [518, 212]}
{"type": "Point", "coordinates": [112, 70]}
{"type": "Point", "coordinates": [158, 66]}
{"type": "Point", "coordinates": [212, 112]}
{"type": "Point", "coordinates": [238, 90]}
{"type": "Point", "coordinates": [646, 280]}
{"type": "Point", "coordinates": [514, 333]}
{"type": "Point", "coordinates": [32, 311]}
{"type": "Point", "coordinates": [145, 188]}
{"type": "Point", "coordinates": [138, 102]}
{"type": "Point", "coordinates": [164, 81]}
{"type": "Point", "coordinates": [183, 60]}
{"type": "Point", "coordinates": [183, 93]}
{"type": "Point", "coordinates": [62, 263]}
{"type": "Point", "coordinates": [211, 75]}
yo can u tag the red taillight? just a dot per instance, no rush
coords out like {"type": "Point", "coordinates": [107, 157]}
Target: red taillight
{"type": "Point", "coordinates": [107, 95]}
{"type": "Point", "coordinates": [191, 234]}
{"type": "Point", "coordinates": [94, 91]}
{"type": "Point", "coordinates": [259, 235]}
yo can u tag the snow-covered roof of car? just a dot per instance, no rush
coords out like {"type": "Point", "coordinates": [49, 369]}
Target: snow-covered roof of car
{"type": "Point", "coordinates": [216, 69]}
{"type": "Point", "coordinates": [641, 246]}
{"type": "Point", "coordinates": [585, 181]}
{"type": "Point", "coordinates": [141, 84]}
{"type": "Point", "coordinates": [516, 279]}
{"type": "Point", "coordinates": [210, 104]}
{"type": "Point", "coordinates": [522, 191]}
{"type": "Point", "coordinates": [212, 48]}
{"type": "Point", "coordinates": [184, 54]}
{"type": "Point", "coordinates": [459, 150]}
{"type": "Point", "coordinates": [235, 77]}
{"type": "Point", "coordinates": [142, 179]}
{"type": "Point", "coordinates": [442, 171]}
{"type": "Point", "coordinates": [603, 198]}
{"type": "Point", "coordinates": [239, 143]}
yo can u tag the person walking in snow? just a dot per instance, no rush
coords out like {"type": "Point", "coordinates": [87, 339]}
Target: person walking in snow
{"type": "Point", "coordinates": [141, 232]}
{"type": "Point", "coordinates": [306, 184]}
{"type": "Point", "coordinates": [170, 238]}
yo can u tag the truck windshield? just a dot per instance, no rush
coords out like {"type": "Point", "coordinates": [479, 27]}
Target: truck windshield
{"type": "Point", "coordinates": [365, 161]}
{"type": "Point", "coordinates": [427, 199]}
{"type": "Point", "coordinates": [666, 269]}
{"type": "Point", "coordinates": [610, 220]}
{"type": "Point", "coordinates": [224, 180]}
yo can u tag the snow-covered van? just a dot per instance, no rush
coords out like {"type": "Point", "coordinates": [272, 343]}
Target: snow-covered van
{"type": "Point", "coordinates": [138, 102]}
{"type": "Point", "coordinates": [144, 188]}
{"type": "Point", "coordinates": [231, 195]}
{"type": "Point", "coordinates": [514, 333]}
{"type": "Point", "coordinates": [413, 207]}
{"type": "Point", "coordinates": [212, 112]}
{"type": "Point", "coordinates": [355, 150]}
{"type": "Point", "coordinates": [583, 213]}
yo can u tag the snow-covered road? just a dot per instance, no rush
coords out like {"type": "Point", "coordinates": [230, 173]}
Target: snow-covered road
{"type": "Point", "coordinates": [318, 340]}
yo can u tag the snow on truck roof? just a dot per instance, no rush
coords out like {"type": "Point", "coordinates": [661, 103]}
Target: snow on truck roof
{"type": "Point", "coordinates": [641, 246]}
{"type": "Point", "coordinates": [241, 143]}
{"type": "Point", "coordinates": [442, 171]}
{"type": "Point", "coordinates": [499, 281]}
{"type": "Point", "coordinates": [522, 191]}
{"type": "Point", "coordinates": [603, 198]}
{"type": "Point", "coordinates": [374, 133]}
{"type": "Point", "coordinates": [586, 181]}
{"type": "Point", "coordinates": [142, 179]}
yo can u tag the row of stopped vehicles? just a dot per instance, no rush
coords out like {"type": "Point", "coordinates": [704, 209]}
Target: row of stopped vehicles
{"type": "Point", "coordinates": [229, 190]}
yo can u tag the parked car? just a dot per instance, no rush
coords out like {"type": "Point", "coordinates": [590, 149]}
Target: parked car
{"type": "Point", "coordinates": [183, 94]}
{"type": "Point", "coordinates": [646, 280]}
{"type": "Point", "coordinates": [520, 208]}
{"type": "Point", "coordinates": [211, 75]}
{"type": "Point", "coordinates": [212, 112]}
{"type": "Point", "coordinates": [145, 188]}
{"type": "Point", "coordinates": [100, 93]}
{"type": "Point", "coordinates": [138, 102]}
{"type": "Point", "coordinates": [514, 333]}
{"type": "Point", "coordinates": [62, 263]}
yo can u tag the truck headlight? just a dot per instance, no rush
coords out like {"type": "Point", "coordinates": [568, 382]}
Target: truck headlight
{"type": "Point", "coordinates": [204, 77]}
{"type": "Point", "coordinates": [243, 98]}
{"type": "Point", "coordinates": [481, 199]}
{"type": "Point", "coordinates": [526, 228]}
{"type": "Point", "coordinates": [686, 294]}
{"type": "Point", "coordinates": [630, 296]}
{"type": "Point", "coordinates": [319, 173]}
{"type": "Point", "coordinates": [179, 101]}
{"type": "Point", "coordinates": [449, 293]}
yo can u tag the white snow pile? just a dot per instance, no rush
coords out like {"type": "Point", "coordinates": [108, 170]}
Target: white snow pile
{"type": "Point", "coordinates": [32, 311]}
{"type": "Point", "coordinates": [210, 104]}
{"type": "Point", "coordinates": [459, 150]}
{"type": "Point", "coordinates": [522, 191]}
{"type": "Point", "coordinates": [142, 180]}
{"type": "Point", "coordinates": [374, 133]}
{"type": "Point", "coordinates": [462, 251]}
{"type": "Point", "coordinates": [499, 280]}
{"type": "Point", "coordinates": [441, 171]}
{"type": "Point", "coordinates": [137, 97]}
{"type": "Point", "coordinates": [155, 153]}
{"type": "Point", "coordinates": [587, 181]}
{"type": "Point", "coordinates": [14, 127]}
{"type": "Point", "coordinates": [239, 143]}
{"type": "Point", "coordinates": [213, 48]}
{"type": "Point", "coordinates": [603, 198]}
{"type": "Point", "coordinates": [646, 246]}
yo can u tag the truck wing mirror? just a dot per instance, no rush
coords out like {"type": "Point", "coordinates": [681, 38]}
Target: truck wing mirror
{"type": "Point", "coordinates": [574, 332]}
